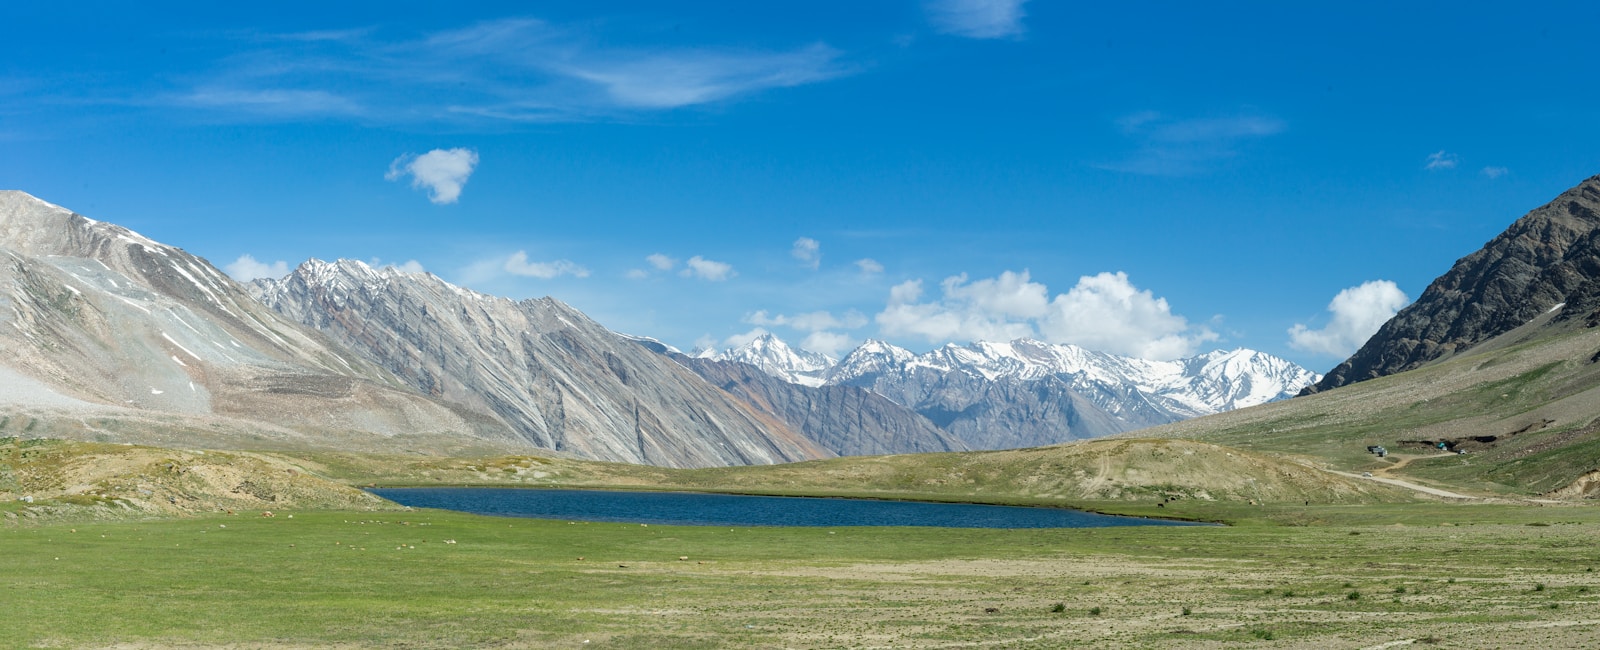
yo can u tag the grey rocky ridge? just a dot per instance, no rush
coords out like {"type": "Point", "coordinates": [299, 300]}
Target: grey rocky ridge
{"type": "Point", "coordinates": [1547, 261]}
{"type": "Point", "coordinates": [108, 334]}
{"type": "Point", "coordinates": [848, 420]}
{"type": "Point", "coordinates": [548, 372]}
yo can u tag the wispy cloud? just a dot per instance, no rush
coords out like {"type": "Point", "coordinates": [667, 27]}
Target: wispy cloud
{"type": "Point", "coordinates": [1180, 147]}
{"type": "Point", "coordinates": [1441, 160]}
{"type": "Point", "coordinates": [661, 262]}
{"type": "Point", "coordinates": [443, 172]}
{"type": "Point", "coordinates": [511, 69]}
{"type": "Point", "coordinates": [869, 266]}
{"type": "Point", "coordinates": [810, 321]}
{"type": "Point", "coordinates": [977, 18]}
{"type": "Point", "coordinates": [687, 78]}
{"type": "Point", "coordinates": [272, 102]}
{"type": "Point", "coordinates": [808, 251]}
{"type": "Point", "coordinates": [700, 267]}
{"type": "Point", "coordinates": [1495, 172]}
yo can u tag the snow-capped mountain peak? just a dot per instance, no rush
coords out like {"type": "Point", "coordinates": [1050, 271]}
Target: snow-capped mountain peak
{"type": "Point", "coordinates": [774, 357]}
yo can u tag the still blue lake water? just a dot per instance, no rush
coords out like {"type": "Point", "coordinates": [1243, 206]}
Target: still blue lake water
{"type": "Point", "coordinates": [697, 509]}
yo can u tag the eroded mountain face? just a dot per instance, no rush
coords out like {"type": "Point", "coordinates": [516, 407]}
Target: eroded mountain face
{"type": "Point", "coordinates": [98, 319]}
{"type": "Point", "coordinates": [555, 377]}
{"type": "Point", "coordinates": [1548, 258]}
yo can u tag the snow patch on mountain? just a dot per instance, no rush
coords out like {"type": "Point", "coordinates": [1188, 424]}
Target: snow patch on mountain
{"type": "Point", "coordinates": [774, 357]}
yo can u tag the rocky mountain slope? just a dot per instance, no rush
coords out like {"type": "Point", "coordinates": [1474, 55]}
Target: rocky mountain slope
{"type": "Point", "coordinates": [847, 420]}
{"type": "Point", "coordinates": [1547, 259]}
{"type": "Point", "coordinates": [549, 373]}
{"type": "Point", "coordinates": [148, 339]}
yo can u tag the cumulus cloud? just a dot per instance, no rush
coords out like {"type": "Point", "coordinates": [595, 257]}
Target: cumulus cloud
{"type": "Point", "coordinates": [977, 18]}
{"type": "Point", "coordinates": [869, 266]}
{"type": "Point", "coordinates": [442, 172]}
{"type": "Point", "coordinates": [808, 251]}
{"type": "Point", "coordinates": [1358, 312]}
{"type": "Point", "coordinates": [246, 268]}
{"type": "Point", "coordinates": [1441, 160]}
{"type": "Point", "coordinates": [1106, 312]}
{"type": "Point", "coordinates": [833, 344]}
{"type": "Point", "coordinates": [410, 266]}
{"type": "Point", "coordinates": [1102, 312]}
{"type": "Point", "coordinates": [810, 322]}
{"type": "Point", "coordinates": [518, 264]}
{"type": "Point", "coordinates": [700, 267]}
{"type": "Point", "coordinates": [1495, 172]}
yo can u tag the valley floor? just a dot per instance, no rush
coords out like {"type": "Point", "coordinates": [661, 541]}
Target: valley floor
{"type": "Point", "coordinates": [1370, 576]}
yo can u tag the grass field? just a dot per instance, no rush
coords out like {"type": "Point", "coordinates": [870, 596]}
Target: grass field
{"type": "Point", "coordinates": [1496, 576]}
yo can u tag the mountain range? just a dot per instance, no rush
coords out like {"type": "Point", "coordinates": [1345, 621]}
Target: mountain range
{"type": "Point", "coordinates": [1028, 393]}
{"type": "Point", "coordinates": [109, 335]}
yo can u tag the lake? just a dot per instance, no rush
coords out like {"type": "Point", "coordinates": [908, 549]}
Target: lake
{"type": "Point", "coordinates": [700, 509]}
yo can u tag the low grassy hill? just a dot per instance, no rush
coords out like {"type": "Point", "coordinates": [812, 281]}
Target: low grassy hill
{"type": "Point", "coordinates": [1525, 407]}
{"type": "Point", "coordinates": [44, 479]}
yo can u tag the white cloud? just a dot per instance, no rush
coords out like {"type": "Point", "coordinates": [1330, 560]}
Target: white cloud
{"type": "Point", "coordinates": [1441, 160]}
{"type": "Point", "coordinates": [408, 266]}
{"type": "Point", "coordinates": [808, 251]}
{"type": "Point", "coordinates": [740, 339]}
{"type": "Point", "coordinates": [1179, 147]}
{"type": "Point", "coordinates": [442, 171]}
{"type": "Point", "coordinates": [832, 344]}
{"type": "Point", "coordinates": [1102, 312]}
{"type": "Point", "coordinates": [810, 322]}
{"type": "Point", "coordinates": [977, 18]}
{"type": "Point", "coordinates": [705, 342]}
{"type": "Point", "coordinates": [953, 318]}
{"type": "Point", "coordinates": [503, 70]}
{"type": "Point", "coordinates": [1495, 172]}
{"type": "Point", "coordinates": [672, 79]}
{"type": "Point", "coordinates": [246, 268]}
{"type": "Point", "coordinates": [637, 274]}
{"type": "Point", "coordinates": [1358, 312]}
{"type": "Point", "coordinates": [661, 262]}
{"type": "Point", "coordinates": [699, 267]}
{"type": "Point", "coordinates": [869, 266]}
{"type": "Point", "coordinates": [272, 103]}
{"type": "Point", "coordinates": [1106, 312]}
{"type": "Point", "coordinates": [518, 264]}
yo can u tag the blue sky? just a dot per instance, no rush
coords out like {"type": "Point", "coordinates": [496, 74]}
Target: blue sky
{"type": "Point", "coordinates": [1154, 179]}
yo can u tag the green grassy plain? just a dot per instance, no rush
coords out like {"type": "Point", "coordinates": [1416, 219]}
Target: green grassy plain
{"type": "Point", "coordinates": [391, 579]}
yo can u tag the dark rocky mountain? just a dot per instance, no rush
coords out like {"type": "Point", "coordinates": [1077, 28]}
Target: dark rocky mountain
{"type": "Point", "coordinates": [847, 420]}
{"type": "Point", "coordinates": [546, 371]}
{"type": "Point", "coordinates": [1546, 259]}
